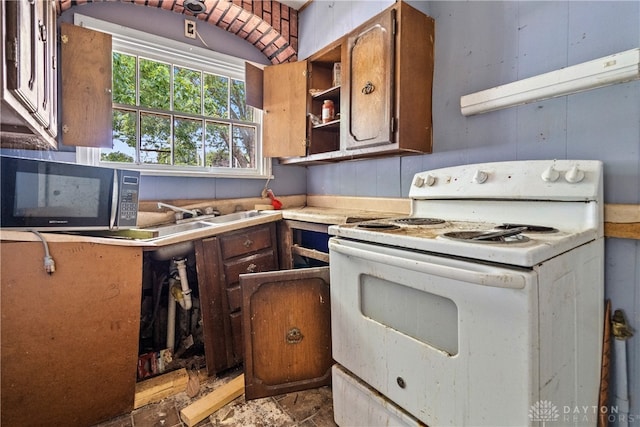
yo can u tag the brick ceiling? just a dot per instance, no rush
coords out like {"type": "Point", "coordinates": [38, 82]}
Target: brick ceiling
{"type": "Point", "coordinates": [270, 26]}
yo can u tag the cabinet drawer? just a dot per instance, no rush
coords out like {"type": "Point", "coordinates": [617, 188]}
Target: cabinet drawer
{"type": "Point", "coordinates": [246, 241]}
{"type": "Point", "coordinates": [264, 261]}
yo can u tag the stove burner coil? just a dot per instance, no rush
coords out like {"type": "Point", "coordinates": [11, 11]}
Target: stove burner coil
{"type": "Point", "coordinates": [377, 226]}
{"type": "Point", "coordinates": [529, 228]}
{"type": "Point", "coordinates": [419, 221]}
{"type": "Point", "coordinates": [483, 237]}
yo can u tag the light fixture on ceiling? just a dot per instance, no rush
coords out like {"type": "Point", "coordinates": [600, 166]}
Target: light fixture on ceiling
{"type": "Point", "coordinates": [195, 6]}
{"type": "Point", "coordinates": [618, 68]}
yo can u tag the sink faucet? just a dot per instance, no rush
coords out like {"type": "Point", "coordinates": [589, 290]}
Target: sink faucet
{"type": "Point", "coordinates": [179, 211]}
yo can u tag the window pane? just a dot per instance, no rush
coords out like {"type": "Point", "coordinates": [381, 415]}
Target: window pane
{"type": "Point", "coordinates": [124, 138]}
{"type": "Point", "coordinates": [155, 87]}
{"type": "Point", "coordinates": [124, 79]}
{"type": "Point", "coordinates": [188, 142]}
{"type": "Point", "coordinates": [239, 108]}
{"type": "Point", "coordinates": [155, 138]}
{"type": "Point", "coordinates": [216, 96]}
{"type": "Point", "coordinates": [187, 90]}
{"type": "Point", "coordinates": [244, 150]}
{"type": "Point", "coordinates": [217, 145]}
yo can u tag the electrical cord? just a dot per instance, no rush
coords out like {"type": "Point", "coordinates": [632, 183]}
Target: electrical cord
{"type": "Point", "coordinates": [49, 263]}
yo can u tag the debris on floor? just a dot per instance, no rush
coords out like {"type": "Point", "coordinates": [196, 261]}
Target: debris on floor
{"type": "Point", "coordinates": [308, 408]}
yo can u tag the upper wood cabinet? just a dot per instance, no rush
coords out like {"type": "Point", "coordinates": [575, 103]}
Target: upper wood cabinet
{"type": "Point", "coordinates": [382, 97]}
{"type": "Point", "coordinates": [86, 87]}
{"type": "Point", "coordinates": [29, 63]}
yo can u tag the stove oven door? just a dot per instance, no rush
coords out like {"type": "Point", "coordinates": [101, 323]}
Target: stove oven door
{"type": "Point", "coordinates": [450, 341]}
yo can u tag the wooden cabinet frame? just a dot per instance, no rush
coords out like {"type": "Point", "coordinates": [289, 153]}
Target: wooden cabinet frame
{"type": "Point", "coordinates": [384, 95]}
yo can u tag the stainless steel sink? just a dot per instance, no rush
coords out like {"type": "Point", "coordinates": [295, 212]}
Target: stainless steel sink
{"type": "Point", "coordinates": [182, 249]}
{"type": "Point", "coordinates": [168, 230]}
{"type": "Point", "coordinates": [233, 217]}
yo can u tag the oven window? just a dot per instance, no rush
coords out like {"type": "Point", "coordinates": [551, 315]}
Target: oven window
{"type": "Point", "coordinates": [429, 318]}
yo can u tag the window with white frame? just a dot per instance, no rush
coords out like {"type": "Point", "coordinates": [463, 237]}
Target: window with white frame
{"type": "Point", "coordinates": [177, 109]}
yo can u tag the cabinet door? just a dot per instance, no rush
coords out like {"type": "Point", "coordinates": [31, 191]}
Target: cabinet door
{"type": "Point", "coordinates": [86, 96]}
{"type": "Point", "coordinates": [23, 51]}
{"type": "Point", "coordinates": [286, 319]}
{"type": "Point", "coordinates": [46, 51]}
{"type": "Point", "coordinates": [284, 132]}
{"type": "Point", "coordinates": [370, 82]}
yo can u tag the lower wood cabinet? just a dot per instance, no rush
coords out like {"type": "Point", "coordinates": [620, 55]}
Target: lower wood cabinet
{"type": "Point", "coordinates": [219, 262]}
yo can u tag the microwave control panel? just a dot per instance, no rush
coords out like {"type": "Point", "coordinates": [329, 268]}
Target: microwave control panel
{"type": "Point", "coordinates": [128, 199]}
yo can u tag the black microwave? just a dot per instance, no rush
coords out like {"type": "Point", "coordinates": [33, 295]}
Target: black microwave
{"type": "Point", "coordinates": [48, 195]}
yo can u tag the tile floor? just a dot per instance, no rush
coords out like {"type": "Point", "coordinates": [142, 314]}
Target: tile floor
{"type": "Point", "coordinates": [309, 408]}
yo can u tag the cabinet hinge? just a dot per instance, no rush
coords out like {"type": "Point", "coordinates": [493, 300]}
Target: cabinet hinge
{"type": "Point", "coordinates": [393, 124]}
{"type": "Point", "coordinates": [12, 50]}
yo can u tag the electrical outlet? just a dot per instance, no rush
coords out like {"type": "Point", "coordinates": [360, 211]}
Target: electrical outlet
{"type": "Point", "coordinates": [190, 29]}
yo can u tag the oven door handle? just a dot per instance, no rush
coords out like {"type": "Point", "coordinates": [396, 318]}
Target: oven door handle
{"type": "Point", "coordinates": [479, 274]}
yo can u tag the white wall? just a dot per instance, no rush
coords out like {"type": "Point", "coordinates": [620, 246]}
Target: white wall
{"type": "Point", "coordinates": [484, 44]}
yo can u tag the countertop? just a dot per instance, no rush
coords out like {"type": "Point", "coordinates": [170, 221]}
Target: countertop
{"type": "Point", "coordinates": [332, 213]}
{"type": "Point", "coordinates": [146, 244]}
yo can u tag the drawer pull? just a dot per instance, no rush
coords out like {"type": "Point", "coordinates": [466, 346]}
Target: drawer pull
{"type": "Point", "coordinates": [294, 336]}
{"type": "Point", "coordinates": [251, 268]}
{"type": "Point", "coordinates": [248, 243]}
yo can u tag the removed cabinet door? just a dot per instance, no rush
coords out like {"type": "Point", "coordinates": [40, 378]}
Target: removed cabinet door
{"type": "Point", "coordinates": [286, 319]}
{"type": "Point", "coordinates": [86, 87]}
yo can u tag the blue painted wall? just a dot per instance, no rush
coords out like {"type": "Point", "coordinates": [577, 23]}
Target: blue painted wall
{"type": "Point", "coordinates": [480, 45]}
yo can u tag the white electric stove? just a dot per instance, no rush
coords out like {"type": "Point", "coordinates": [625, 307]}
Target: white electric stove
{"type": "Point", "coordinates": [483, 307]}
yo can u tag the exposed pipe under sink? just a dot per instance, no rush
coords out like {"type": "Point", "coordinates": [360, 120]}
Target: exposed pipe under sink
{"type": "Point", "coordinates": [181, 296]}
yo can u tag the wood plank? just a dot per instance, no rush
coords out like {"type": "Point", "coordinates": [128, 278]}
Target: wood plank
{"type": "Point", "coordinates": [157, 388]}
{"type": "Point", "coordinates": [213, 401]}
{"type": "Point", "coordinates": [376, 204]}
{"type": "Point", "coordinates": [622, 231]}
{"type": "Point", "coordinates": [311, 253]}
{"type": "Point", "coordinates": [621, 213]}
{"type": "Point", "coordinates": [622, 221]}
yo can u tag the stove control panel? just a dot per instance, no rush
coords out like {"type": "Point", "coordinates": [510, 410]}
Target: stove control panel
{"type": "Point", "coordinates": [571, 180]}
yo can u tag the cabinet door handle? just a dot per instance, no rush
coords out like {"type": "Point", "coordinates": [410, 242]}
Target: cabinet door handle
{"type": "Point", "coordinates": [248, 243]}
{"type": "Point", "coordinates": [294, 336]}
{"type": "Point", "coordinates": [368, 88]}
{"type": "Point", "coordinates": [251, 268]}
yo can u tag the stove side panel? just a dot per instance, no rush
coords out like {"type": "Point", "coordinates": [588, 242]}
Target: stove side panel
{"type": "Point", "coordinates": [571, 317]}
